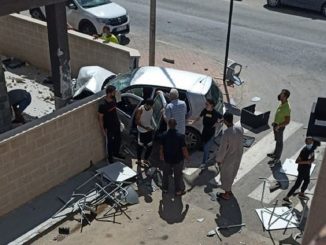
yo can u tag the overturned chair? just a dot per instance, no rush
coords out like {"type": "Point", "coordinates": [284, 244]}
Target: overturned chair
{"type": "Point", "coordinates": [253, 120]}
{"type": "Point", "coordinates": [317, 120]}
{"type": "Point", "coordinates": [233, 71]}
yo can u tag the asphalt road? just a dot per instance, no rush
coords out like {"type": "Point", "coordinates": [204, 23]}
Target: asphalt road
{"type": "Point", "coordinates": [277, 47]}
{"type": "Point", "coordinates": [282, 48]}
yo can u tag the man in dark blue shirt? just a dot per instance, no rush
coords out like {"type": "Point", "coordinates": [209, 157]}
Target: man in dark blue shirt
{"type": "Point", "coordinates": [172, 151]}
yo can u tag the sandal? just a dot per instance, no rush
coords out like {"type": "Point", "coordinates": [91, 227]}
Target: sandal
{"type": "Point", "coordinates": [225, 195]}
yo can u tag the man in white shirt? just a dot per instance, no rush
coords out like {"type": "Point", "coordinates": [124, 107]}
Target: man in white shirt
{"type": "Point", "coordinates": [145, 131]}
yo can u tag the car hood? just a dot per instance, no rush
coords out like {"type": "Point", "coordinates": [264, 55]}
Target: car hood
{"type": "Point", "coordinates": [90, 78]}
{"type": "Point", "coordinates": [110, 10]}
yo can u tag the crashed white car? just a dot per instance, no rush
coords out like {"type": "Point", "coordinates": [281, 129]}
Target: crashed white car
{"type": "Point", "coordinates": [90, 80]}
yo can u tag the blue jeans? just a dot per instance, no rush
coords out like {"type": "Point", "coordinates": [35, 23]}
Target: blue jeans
{"type": "Point", "coordinates": [206, 147]}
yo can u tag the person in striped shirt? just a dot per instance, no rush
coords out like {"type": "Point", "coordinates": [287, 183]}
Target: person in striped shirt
{"type": "Point", "coordinates": [176, 109]}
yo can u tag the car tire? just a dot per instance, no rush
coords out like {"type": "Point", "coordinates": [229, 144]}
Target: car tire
{"type": "Point", "coordinates": [193, 139]}
{"type": "Point", "coordinates": [37, 14]}
{"type": "Point", "coordinates": [273, 3]}
{"type": "Point", "coordinates": [87, 28]}
{"type": "Point", "coordinates": [323, 10]}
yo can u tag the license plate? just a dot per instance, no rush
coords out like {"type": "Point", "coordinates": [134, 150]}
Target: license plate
{"type": "Point", "coordinates": [121, 28]}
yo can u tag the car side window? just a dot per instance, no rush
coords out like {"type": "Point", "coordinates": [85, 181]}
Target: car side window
{"type": "Point", "coordinates": [128, 105]}
{"type": "Point", "coordinates": [136, 91]}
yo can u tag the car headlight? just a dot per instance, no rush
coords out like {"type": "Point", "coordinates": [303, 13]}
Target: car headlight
{"type": "Point", "coordinates": [104, 21]}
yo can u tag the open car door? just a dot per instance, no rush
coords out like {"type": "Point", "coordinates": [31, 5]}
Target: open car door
{"type": "Point", "coordinates": [159, 104]}
{"type": "Point", "coordinates": [126, 110]}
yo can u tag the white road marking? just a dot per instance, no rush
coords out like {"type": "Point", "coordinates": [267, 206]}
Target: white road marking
{"type": "Point", "coordinates": [258, 151]}
{"type": "Point", "coordinates": [269, 197]}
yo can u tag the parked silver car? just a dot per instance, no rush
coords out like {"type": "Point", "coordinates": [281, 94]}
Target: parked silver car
{"type": "Point", "coordinates": [316, 5]}
{"type": "Point", "coordinates": [156, 82]}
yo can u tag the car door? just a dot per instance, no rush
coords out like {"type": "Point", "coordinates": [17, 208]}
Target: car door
{"type": "Point", "coordinates": [126, 110]}
{"type": "Point", "coordinates": [159, 104]}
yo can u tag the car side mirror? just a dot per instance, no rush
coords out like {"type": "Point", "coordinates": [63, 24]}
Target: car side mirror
{"type": "Point", "coordinates": [72, 6]}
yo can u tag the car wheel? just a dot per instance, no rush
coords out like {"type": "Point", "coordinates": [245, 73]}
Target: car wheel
{"type": "Point", "coordinates": [87, 28]}
{"type": "Point", "coordinates": [323, 10]}
{"type": "Point", "coordinates": [37, 14]}
{"type": "Point", "coordinates": [193, 139]}
{"type": "Point", "coordinates": [273, 3]}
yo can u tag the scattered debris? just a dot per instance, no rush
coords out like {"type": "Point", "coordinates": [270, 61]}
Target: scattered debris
{"type": "Point", "coordinates": [200, 220]}
{"type": "Point", "coordinates": [168, 60]}
{"type": "Point", "coordinates": [13, 63]}
{"type": "Point", "coordinates": [149, 228]}
{"type": "Point", "coordinates": [255, 99]}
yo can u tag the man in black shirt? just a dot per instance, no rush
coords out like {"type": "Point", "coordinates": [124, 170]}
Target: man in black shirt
{"type": "Point", "coordinates": [210, 119]}
{"type": "Point", "coordinates": [172, 151]}
{"type": "Point", "coordinates": [110, 123]}
{"type": "Point", "coordinates": [19, 99]}
{"type": "Point", "coordinates": [304, 160]}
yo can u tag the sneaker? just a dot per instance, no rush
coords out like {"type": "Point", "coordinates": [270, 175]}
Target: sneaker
{"type": "Point", "coordinates": [225, 195]}
{"type": "Point", "coordinates": [271, 155]}
{"type": "Point", "coordinates": [146, 163]}
{"type": "Point", "coordinates": [202, 166]}
{"type": "Point", "coordinates": [287, 201]}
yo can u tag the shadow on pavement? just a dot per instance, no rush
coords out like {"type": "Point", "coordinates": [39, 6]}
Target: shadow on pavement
{"type": "Point", "coordinates": [230, 214]}
{"type": "Point", "coordinates": [171, 209]}
{"type": "Point", "coordinates": [297, 12]}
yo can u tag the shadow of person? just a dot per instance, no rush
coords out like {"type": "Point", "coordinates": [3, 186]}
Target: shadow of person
{"type": "Point", "coordinates": [280, 176]}
{"type": "Point", "coordinates": [230, 214]}
{"type": "Point", "coordinates": [171, 209]}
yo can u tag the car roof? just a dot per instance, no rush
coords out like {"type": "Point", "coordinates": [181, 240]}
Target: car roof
{"type": "Point", "coordinates": [172, 78]}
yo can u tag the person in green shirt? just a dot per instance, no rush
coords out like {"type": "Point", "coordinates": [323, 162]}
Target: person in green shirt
{"type": "Point", "coordinates": [282, 118]}
{"type": "Point", "coordinates": [107, 36]}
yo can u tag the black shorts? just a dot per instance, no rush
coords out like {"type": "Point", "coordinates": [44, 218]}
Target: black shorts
{"type": "Point", "coordinates": [145, 139]}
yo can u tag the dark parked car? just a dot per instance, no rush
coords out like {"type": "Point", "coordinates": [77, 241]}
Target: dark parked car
{"type": "Point", "coordinates": [316, 5]}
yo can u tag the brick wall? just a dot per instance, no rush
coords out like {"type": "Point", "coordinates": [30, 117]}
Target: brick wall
{"type": "Point", "coordinates": [38, 158]}
{"type": "Point", "coordinates": [26, 38]}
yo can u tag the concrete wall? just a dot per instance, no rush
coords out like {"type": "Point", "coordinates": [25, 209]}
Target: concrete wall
{"type": "Point", "coordinates": [40, 155]}
{"type": "Point", "coordinates": [26, 38]}
{"type": "Point", "coordinates": [317, 216]}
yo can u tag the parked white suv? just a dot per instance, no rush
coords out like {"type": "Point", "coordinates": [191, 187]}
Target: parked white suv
{"type": "Point", "coordinates": [91, 16]}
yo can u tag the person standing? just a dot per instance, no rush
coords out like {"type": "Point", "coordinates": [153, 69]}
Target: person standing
{"type": "Point", "coordinates": [110, 124]}
{"type": "Point", "coordinates": [229, 155]}
{"type": "Point", "coordinates": [19, 100]}
{"type": "Point", "coordinates": [281, 120]}
{"type": "Point", "coordinates": [173, 151]}
{"type": "Point", "coordinates": [304, 161]}
{"type": "Point", "coordinates": [210, 119]}
{"type": "Point", "coordinates": [144, 116]}
{"type": "Point", "coordinates": [176, 109]}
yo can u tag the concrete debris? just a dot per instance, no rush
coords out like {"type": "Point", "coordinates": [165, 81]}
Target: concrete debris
{"type": "Point", "coordinates": [171, 61]}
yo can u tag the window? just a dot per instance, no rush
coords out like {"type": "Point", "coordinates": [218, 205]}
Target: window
{"type": "Point", "coordinates": [128, 104]}
{"type": "Point", "coordinates": [215, 94]}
